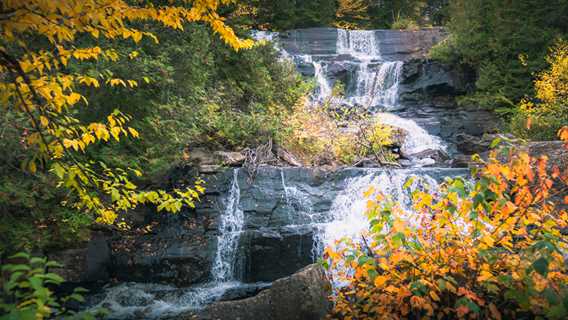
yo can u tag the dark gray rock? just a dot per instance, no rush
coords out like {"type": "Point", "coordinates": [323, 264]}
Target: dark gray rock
{"type": "Point", "coordinates": [429, 81]}
{"type": "Point", "coordinates": [89, 264]}
{"type": "Point", "coordinates": [280, 206]}
{"type": "Point", "coordinates": [301, 296]}
{"type": "Point", "coordinates": [273, 254]}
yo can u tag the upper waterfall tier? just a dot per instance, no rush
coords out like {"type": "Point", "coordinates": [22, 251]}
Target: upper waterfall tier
{"type": "Point", "coordinates": [395, 45]}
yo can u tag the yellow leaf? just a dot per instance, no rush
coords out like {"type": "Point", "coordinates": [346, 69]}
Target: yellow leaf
{"type": "Point", "coordinates": [133, 132]}
{"type": "Point", "coordinates": [115, 131]}
{"type": "Point", "coordinates": [434, 296]}
{"type": "Point", "coordinates": [44, 121]}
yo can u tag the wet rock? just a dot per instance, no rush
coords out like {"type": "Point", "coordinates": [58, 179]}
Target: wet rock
{"type": "Point", "coordinates": [178, 249]}
{"type": "Point", "coordinates": [436, 155]}
{"type": "Point", "coordinates": [432, 82]}
{"type": "Point", "coordinates": [89, 264]}
{"type": "Point", "coordinates": [275, 254]}
{"type": "Point", "coordinates": [468, 144]}
{"type": "Point", "coordinates": [244, 291]}
{"type": "Point", "coordinates": [301, 296]}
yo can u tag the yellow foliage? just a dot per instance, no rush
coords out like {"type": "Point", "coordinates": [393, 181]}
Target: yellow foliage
{"type": "Point", "coordinates": [549, 111]}
{"type": "Point", "coordinates": [37, 84]}
{"type": "Point", "coordinates": [321, 136]}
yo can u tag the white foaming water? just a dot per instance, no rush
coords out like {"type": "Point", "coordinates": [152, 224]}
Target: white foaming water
{"type": "Point", "coordinates": [260, 35]}
{"type": "Point", "coordinates": [377, 88]}
{"type": "Point", "coordinates": [154, 301]}
{"type": "Point", "coordinates": [417, 139]}
{"type": "Point", "coordinates": [324, 89]}
{"type": "Point", "coordinates": [230, 230]}
{"type": "Point", "coordinates": [348, 212]}
{"type": "Point", "coordinates": [358, 43]}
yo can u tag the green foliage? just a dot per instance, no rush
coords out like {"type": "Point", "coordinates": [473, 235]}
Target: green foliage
{"type": "Point", "coordinates": [193, 90]}
{"type": "Point", "coordinates": [28, 291]}
{"type": "Point", "coordinates": [282, 15]}
{"type": "Point", "coordinates": [32, 217]}
{"type": "Point", "coordinates": [490, 36]}
{"type": "Point", "coordinates": [404, 24]}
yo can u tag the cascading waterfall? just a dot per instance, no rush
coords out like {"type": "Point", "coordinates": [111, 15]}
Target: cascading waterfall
{"type": "Point", "coordinates": [377, 87]}
{"type": "Point", "coordinates": [358, 43]}
{"type": "Point", "coordinates": [324, 89]}
{"type": "Point", "coordinates": [230, 229]}
{"type": "Point", "coordinates": [417, 139]}
{"type": "Point", "coordinates": [347, 214]}
{"type": "Point", "coordinates": [375, 84]}
{"type": "Point", "coordinates": [154, 301]}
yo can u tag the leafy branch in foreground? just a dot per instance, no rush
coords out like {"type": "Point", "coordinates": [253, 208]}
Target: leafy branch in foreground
{"type": "Point", "coordinates": [27, 291]}
{"type": "Point", "coordinates": [43, 43]}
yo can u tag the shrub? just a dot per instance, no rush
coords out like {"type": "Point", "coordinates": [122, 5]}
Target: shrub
{"type": "Point", "coordinates": [489, 248]}
{"type": "Point", "coordinates": [320, 135]}
{"type": "Point", "coordinates": [405, 24]}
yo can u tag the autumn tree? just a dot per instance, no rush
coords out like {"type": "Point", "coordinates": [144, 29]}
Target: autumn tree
{"type": "Point", "coordinates": [42, 44]}
{"type": "Point", "coordinates": [541, 116]}
{"type": "Point", "coordinates": [352, 14]}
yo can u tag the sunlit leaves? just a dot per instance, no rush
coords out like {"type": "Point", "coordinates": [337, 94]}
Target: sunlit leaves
{"type": "Point", "coordinates": [488, 249]}
{"type": "Point", "coordinates": [40, 80]}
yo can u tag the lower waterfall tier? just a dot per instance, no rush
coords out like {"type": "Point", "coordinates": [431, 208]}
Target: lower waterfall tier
{"type": "Point", "coordinates": [276, 225]}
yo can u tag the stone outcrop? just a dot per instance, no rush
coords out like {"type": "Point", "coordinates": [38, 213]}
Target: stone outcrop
{"type": "Point", "coordinates": [395, 44]}
{"type": "Point", "coordinates": [301, 296]}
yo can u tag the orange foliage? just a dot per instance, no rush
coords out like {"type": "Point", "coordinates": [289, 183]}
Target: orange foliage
{"type": "Point", "coordinates": [492, 248]}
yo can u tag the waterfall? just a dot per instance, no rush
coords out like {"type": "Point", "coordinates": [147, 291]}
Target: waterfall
{"type": "Point", "coordinates": [230, 228]}
{"type": "Point", "coordinates": [358, 43]}
{"type": "Point", "coordinates": [377, 87]}
{"type": "Point", "coordinates": [324, 90]}
{"type": "Point", "coordinates": [417, 139]}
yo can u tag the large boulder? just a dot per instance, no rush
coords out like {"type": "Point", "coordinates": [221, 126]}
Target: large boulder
{"type": "Point", "coordinates": [301, 296]}
{"type": "Point", "coordinates": [271, 254]}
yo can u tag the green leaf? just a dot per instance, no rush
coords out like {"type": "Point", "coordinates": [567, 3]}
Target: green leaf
{"type": "Point", "coordinates": [495, 142]}
{"type": "Point", "coordinates": [20, 255]}
{"type": "Point", "coordinates": [541, 266]}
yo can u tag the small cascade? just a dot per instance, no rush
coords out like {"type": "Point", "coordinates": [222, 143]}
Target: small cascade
{"type": "Point", "coordinates": [377, 88]}
{"type": "Point", "coordinates": [417, 139]}
{"type": "Point", "coordinates": [230, 228]}
{"type": "Point", "coordinates": [347, 219]}
{"type": "Point", "coordinates": [299, 204]}
{"type": "Point", "coordinates": [324, 90]}
{"type": "Point", "coordinates": [358, 43]}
